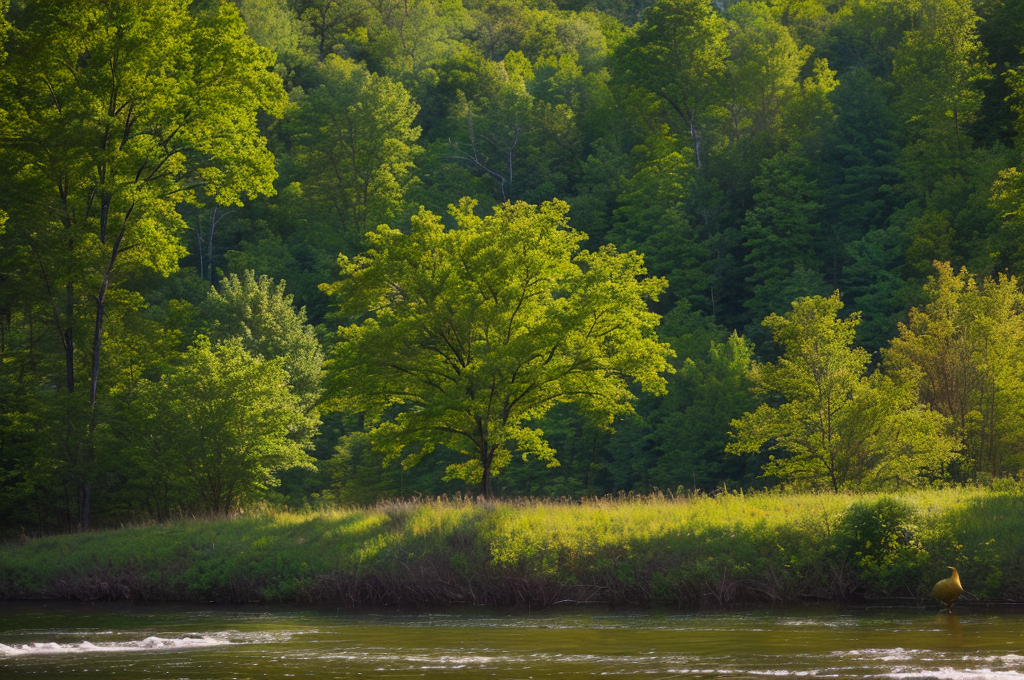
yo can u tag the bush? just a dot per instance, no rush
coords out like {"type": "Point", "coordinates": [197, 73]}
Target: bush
{"type": "Point", "coordinates": [878, 538]}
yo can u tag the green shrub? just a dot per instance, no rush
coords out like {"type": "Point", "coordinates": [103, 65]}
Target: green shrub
{"type": "Point", "coordinates": [879, 539]}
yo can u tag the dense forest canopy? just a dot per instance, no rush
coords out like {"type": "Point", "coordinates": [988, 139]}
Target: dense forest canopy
{"type": "Point", "coordinates": [816, 197]}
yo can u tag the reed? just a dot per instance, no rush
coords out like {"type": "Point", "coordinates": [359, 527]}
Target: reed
{"type": "Point", "coordinates": [767, 547]}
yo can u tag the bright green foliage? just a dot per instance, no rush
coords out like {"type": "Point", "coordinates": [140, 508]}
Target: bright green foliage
{"type": "Point", "coordinates": [257, 312]}
{"type": "Point", "coordinates": [939, 67]}
{"type": "Point", "coordinates": [355, 142]}
{"type": "Point", "coordinates": [117, 113]}
{"type": "Point", "coordinates": [963, 350]}
{"type": "Point", "coordinates": [838, 428]}
{"type": "Point", "coordinates": [764, 67]}
{"type": "Point", "coordinates": [212, 433]}
{"type": "Point", "coordinates": [764, 77]}
{"type": "Point", "coordinates": [272, 24]}
{"type": "Point", "coordinates": [478, 330]}
{"type": "Point", "coordinates": [678, 53]}
{"type": "Point", "coordinates": [411, 39]}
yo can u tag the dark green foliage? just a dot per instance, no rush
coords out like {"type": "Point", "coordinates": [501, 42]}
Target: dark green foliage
{"type": "Point", "coordinates": [780, 234]}
{"type": "Point", "coordinates": [753, 151]}
{"type": "Point", "coordinates": [879, 540]}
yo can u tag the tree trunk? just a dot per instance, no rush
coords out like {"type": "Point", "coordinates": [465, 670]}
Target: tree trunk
{"type": "Point", "coordinates": [485, 483]}
{"type": "Point", "coordinates": [97, 339]}
{"type": "Point", "coordinates": [84, 504]}
{"type": "Point", "coordinates": [68, 339]}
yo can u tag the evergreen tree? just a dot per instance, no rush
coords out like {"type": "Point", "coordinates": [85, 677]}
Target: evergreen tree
{"type": "Point", "coordinates": [780, 234]}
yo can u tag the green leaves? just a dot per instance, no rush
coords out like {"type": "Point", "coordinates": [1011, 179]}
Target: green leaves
{"type": "Point", "coordinates": [679, 54]}
{"type": "Point", "coordinates": [355, 142]}
{"type": "Point", "coordinates": [477, 330]}
{"type": "Point", "coordinates": [837, 427]}
{"type": "Point", "coordinates": [213, 432]}
{"type": "Point", "coordinates": [259, 314]}
{"type": "Point", "coordinates": [962, 349]}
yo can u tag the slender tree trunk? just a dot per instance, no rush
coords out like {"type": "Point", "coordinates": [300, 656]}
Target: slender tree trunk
{"type": "Point", "coordinates": [97, 339]}
{"type": "Point", "coordinates": [85, 488]}
{"type": "Point", "coordinates": [209, 258]}
{"type": "Point", "coordinates": [68, 339]}
{"type": "Point", "coordinates": [695, 136]}
{"type": "Point", "coordinates": [486, 458]}
{"type": "Point", "coordinates": [485, 483]}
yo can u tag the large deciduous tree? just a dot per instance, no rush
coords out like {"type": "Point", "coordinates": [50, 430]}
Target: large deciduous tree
{"type": "Point", "coordinates": [117, 112]}
{"type": "Point", "coordinates": [963, 350]}
{"type": "Point", "coordinates": [468, 334]}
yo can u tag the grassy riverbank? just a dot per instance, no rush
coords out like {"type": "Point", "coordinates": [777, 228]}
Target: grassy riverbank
{"type": "Point", "coordinates": [767, 548]}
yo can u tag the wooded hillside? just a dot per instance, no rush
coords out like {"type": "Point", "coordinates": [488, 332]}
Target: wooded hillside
{"type": "Point", "coordinates": [821, 200]}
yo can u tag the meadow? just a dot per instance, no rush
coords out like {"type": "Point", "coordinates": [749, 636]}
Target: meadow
{"type": "Point", "coordinates": [685, 551]}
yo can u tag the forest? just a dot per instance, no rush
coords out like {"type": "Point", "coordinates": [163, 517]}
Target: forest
{"type": "Point", "coordinates": [296, 253]}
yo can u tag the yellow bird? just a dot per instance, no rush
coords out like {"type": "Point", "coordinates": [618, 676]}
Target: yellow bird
{"type": "Point", "coordinates": [948, 589]}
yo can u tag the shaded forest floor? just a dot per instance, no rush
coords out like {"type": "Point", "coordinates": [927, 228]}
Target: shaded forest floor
{"type": "Point", "coordinates": [704, 551]}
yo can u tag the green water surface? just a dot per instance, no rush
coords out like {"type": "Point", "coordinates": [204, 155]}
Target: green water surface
{"type": "Point", "coordinates": [133, 642]}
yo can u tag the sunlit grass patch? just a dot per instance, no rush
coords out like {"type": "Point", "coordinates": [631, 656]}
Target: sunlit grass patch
{"type": "Point", "coordinates": [762, 547]}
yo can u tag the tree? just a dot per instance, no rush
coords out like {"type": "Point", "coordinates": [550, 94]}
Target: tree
{"type": "Point", "coordinates": [476, 331]}
{"type": "Point", "coordinates": [263, 318]}
{"type": "Point", "coordinates": [653, 218]}
{"type": "Point", "coordinates": [214, 431]}
{"type": "Point", "coordinates": [780, 234]}
{"type": "Point", "coordinates": [272, 24]}
{"type": "Point", "coordinates": [117, 113]}
{"type": "Point", "coordinates": [836, 427]}
{"type": "Point", "coordinates": [520, 143]}
{"type": "Point", "coordinates": [679, 54]}
{"type": "Point", "coordinates": [963, 350]}
{"type": "Point", "coordinates": [328, 21]}
{"type": "Point", "coordinates": [764, 69]}
{"type": "Point", "coordinates": [940, 67]}
{"type": "Point", "coordinates": [689, 427]}
{"type": "Point", "coordinates": [355, 145]}
{"type": "Point", "coordinates": [1008, 191]}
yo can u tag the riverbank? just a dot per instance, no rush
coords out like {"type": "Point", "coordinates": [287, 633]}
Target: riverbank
{"type": "Point", "coordinates": [730, 549]}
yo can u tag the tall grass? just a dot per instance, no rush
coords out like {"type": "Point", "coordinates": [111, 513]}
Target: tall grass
{"type": "Point", "coordinates": [765, 547]}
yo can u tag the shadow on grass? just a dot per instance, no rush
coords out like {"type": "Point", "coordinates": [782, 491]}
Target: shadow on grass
{"type": "Point", "coordinates": [538, 554]}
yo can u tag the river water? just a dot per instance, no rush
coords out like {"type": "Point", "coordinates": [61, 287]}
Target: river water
{"type": "Point", "coordinates": [126, 642]}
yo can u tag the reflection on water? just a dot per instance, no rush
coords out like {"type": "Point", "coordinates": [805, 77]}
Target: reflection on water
{"type": "Point", "coordinates": [142, 642]}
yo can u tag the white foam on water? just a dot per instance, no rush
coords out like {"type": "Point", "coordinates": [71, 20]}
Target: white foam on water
{"type": "Point", "coordinates": [1006, 659]}
{"type": "Point", "coordinates": [947, 673]}
{"type": "Point", "coordinates": [152, 642]}
{"type": "Point", "coordinates": [894, 654]}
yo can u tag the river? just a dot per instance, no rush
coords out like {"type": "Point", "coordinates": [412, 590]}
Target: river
{"type": "Point", "coordinates": [136, 642]}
